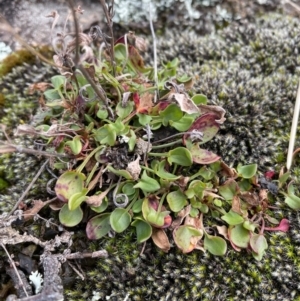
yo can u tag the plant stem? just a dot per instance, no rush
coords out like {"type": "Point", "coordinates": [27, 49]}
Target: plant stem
{"type": "Point", "coordinates": [167, 144]}
{"type": "Point", "coordinates": [158, 154]}
{"type": "Point", "coordinates": [82, 165]}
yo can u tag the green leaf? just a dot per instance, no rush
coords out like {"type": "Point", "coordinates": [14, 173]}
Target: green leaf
{"type": "Point", "coordinates": [122, 172]}
{"type": "Point", "coordinates": [51, 94]}
{"type": "Point", "coordinates": [58, 81]}
{"type": "Point", "coordinates": [186, 237]}
{"type": "Point", "coordinates": [292, 201]}
{"type": "Point", "coordinates": [180, 156]}
{"type": "Point", "coordinates": [164, 174]}
{"type": "Point", "coordinates": [98, 226]}
{"type": "Point", "coordinates": [183, 124]}
{"type": "Point", "coordinates": [75, 145]}
{"type": "Point", "coordinates": [171, 112]}
{"type": "Point", "coordinates": [120, 220]}
{"type": "Point", "coordinates": [102, 113]}
{"type": "Point", "coordinates": [143, 230]}
{"type": "Point", "coordinates": [106, 135]}
{"type": "Point", "coordinates": [218, 203]}
{"type": "Point", "coordinates": [147, 184]}
{"type": "Point", "coordinates": [144, 119]}
{"type": "Point", "coordinates": [176, 200]}
{"type": "Point", "coordinates": [247, 171]}
{"type": "Point", "coordinates": [199, 99]}
{"type": "Point", "coordinates": [249, 226]}
{"type": "Point", "coordinates": [69, 183]}
{"type": "Point", "coordinates": [137, 207]}
{"type": "Point", "coordinates": [132, 140]}
{"type": "Point", "coordinates": [123, 112]}
{"type": "Point", "coordinates": [239, 236]}
{"type": "Point", "coordinates": [70, 218]}
{"type": "Point", "coordinates": [128, 189]}
{"type": "Point", "coordinates": [206, 173]}
{"type": "Point", "coordinates": [259, 245]}
{"type": "Point", "coordinates": [77, 198]}
{"type": "Point", "coordinates": [215, 245]}
{"type": "Point", "coordinates": [232, 218]}
{"type": "Point", "coordinates": [229, 189]}
{"type": "Point", "coordinates": [284, 178]}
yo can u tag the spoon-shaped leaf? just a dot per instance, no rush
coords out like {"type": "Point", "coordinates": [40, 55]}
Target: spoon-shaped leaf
{"type": "Point", "coordinates": [143, 229]}
{"type": "Point", "coordinates": [120, 219]}
{"type": "Point", "coordinates": [70, 218]}
{"type": "Point", "coordinates": [186, 237]}
{"type": "Point", "coordinates": [215, 245]}
{"type": "Point", "coordinates": [147, 184]}
{"type": "Point", "coordinates": [98, 226]}
{"type": "Point", "coordinates": [69, 183]}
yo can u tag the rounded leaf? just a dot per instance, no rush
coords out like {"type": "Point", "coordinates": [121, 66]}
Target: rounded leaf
{"type": "Point", "coordinates": [232, 218]}
{"type": "Point", "coordinates": [239, 236]}
{"type": "Point", "coordinates": [69, 183]}
{"type": "Point", "coordinates": [70, 218]}
{"type": "Point", "coordinates": [215, 245]}
{"type": "Point", "coordinates": [180, 156]}
{"type": "Point", "coordinates": [120, 219]}
{"type": "Point", "coordinates": [143, 230]}
{"type": "Point", "coordinates": [258, 244]}
{"type": "Point", "coordinates": [147, 184]}
{"type": "Point", "coordinates": [176, 200]}
{"type": "Point", "coordinates": [207, 125]}
{"type": "Point", "coordinates": [98, 226]}
{"type": "Point", "coordinates": [186, 237]}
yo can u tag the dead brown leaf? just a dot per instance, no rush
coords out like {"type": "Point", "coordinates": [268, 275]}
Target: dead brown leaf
{"type": "Point", "coordinates": [185, 103]}
{"type": "Point", "coordinates": [219, 111]}
{"type": "Point", "coordinates": [30, 213]}
{"type": "Point", "coordinates": [161, 240]}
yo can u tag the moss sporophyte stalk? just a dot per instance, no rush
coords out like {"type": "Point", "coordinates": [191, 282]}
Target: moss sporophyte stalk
{"type": "Point", "coordinates": [135, 154]}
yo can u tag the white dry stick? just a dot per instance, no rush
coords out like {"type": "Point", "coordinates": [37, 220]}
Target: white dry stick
{"type": "Point", "coordinates": [293, 130]}
{"type": "Point", "coordinates": [154, 50]}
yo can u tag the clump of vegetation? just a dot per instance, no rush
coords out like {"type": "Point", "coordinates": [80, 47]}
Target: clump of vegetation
{"type": "Point", "coordinates": [133, 138]}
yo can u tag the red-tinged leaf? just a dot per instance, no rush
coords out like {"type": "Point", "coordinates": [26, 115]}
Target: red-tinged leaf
{"type": "Point", "coordinates": [120, 40]}
{"type": "Point", "coordinates": [283, 226]}
{"type": "Point", "coordinates": [207, 125]}
{"type": "Point", "coordinates": [161, 240]}
{"type": "Point", "coordinates": [186, 237]}
{"type": "Point", "coordinates": [135, 58]}
{"type": "Point", "coordinates": [203, 156]}
{"type": "Point", "coordinates": [269, 174]}
{"type": "Point", "coordinates": [143, 103]}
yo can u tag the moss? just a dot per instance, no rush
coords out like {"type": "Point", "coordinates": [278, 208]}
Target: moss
{"type": "Point", "coordinates": [21, 56]}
